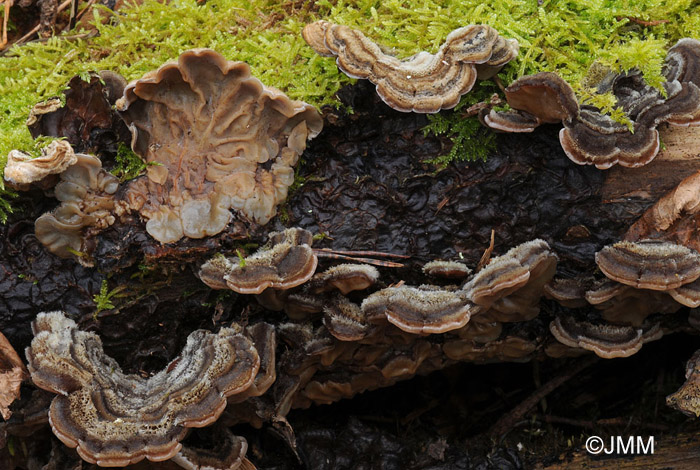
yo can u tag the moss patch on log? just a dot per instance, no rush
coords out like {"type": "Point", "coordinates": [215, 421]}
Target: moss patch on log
{"type": "Point", "coordinates": [566, 36]}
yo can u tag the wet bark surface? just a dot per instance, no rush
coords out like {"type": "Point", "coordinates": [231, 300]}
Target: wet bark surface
{"type": "Point", "coordinates": [367, 187]}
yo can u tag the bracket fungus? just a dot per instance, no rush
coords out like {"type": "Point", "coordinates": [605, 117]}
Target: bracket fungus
{"type": "Point", "coordinates": [22, 169]}
{"type": "Point", "coordinates": [590, 137]}
{"type": "Point", "coordinates": [419, 310]}
{"type": "Point", "coordinates": [114, 419]}
{"type": "Point", "coordinates": [511, 285]}
{"type": "Point", "coordinates": [86, 192]}
{"type": "Point", "coordinates": [345, 278]}
{"type": "Point", "coordinates": [446, 269]}
{"type": "Point", "coordinates": [227, 453]}
{"type": "Point", "coordinates": [286, 261]}
{"type": "Point", "coordinates": [220, 140]}
{"type": "Point", "coordinates": [606, 341]}
{"type": "Point", "coordinates": [423, 83]}
{"type": "Point", "coordinates": [649, 264]}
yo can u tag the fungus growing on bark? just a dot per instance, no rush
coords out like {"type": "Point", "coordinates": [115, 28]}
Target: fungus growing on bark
{"type": "Point", "coordinates": [687, 294]}
{"type": "Point", "coordinates": [115, 419]}
{"type": "Point", "coordinates": [423, 83]}
{"type": "Point", "coordinates": [687, 398]}
{"type": "Point", "coordinates": [446, 269]}
{"type": "Point", "coordinates": [345, 320]}
{"type": "Point", "coordinates": [227, 452]}
{"type": "Point", "coordinates": [345, 278]}
{"type": "Point", "coordinates": [606, 341]}
{"type": "Point", "coordinates": [286, 261]}
{"type": "Point", "coordinates": [568, 292]}
{"type": "Point", "coordinates": [511, 285]}
{"type": "Point", "coordinates": [86, 193]}
{"type": "Point", "coordinates": [649, 264]}
{"type": "Point", "coordinates": [87, 119]}
{"type": "Point", "coordinates": [591, 137]}
{"type": "Point", "coordinates": [22, 169]}
{"type": "Point", "coordinates": [535, 99]}
{"type": "Point", "coordinates": [221, 139]}
{"type": "Point", "coordinates": [419, 310]}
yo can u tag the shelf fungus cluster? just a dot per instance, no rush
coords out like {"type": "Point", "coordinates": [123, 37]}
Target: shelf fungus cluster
{"type": "Point", "coordinates": [423, 83]}
{"type": "Point", "coordinates": [590, 137]}
{"type": "Point", "coordinates": [213, 138]}
{"type": "Point", "coordinates": [114, 419]}
{"type": "Point", "coordinates": [371, 335]}
{"type": "Point", "coordinates": [216, 139]}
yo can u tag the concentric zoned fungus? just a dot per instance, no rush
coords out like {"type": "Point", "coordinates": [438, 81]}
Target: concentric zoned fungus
{"type": "Point", "coordinates": [344, 278]}
{"type": "Point", "coordinates": [345, 320]}
{"type": "Point", "coordinates": [286, 261]}
{"type": "Point", "coordinates": [447, 269]}
{"type": "Point", "coordinates": [87, 198]}
{"type": "Point", "coordinates": [22, 169]}
{"type": "Point", "coordinates": [423, 83]}
{"type": "Point", "coordinates": [592, 138]}
{"type": "Point", "coordinates": [649, 264]}
{"type": "Point", "coordinates": [607, 341]}
{"type": "Point", "coordinates": [687, 398]}
{"type": "Point", "coordinates": [511, 285]}
{"type": "Point", "coordinates": [114, 419]}
{"type": "Point", "coordinates": [419, 310]}
{"type": "Point", "coordinates": [227, 452]}
{"type": "Point", "coordinates": [221, 139]}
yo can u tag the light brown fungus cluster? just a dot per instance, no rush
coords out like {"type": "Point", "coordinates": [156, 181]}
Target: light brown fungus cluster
{"type": "Point", "coordinates": [114, 419]}
{"type": "Point", "coordinates": [591, 137]}
{"type": "Point", "coordinates": [423, 83]}
{"type": "Point", "coordinates": [217, 139]}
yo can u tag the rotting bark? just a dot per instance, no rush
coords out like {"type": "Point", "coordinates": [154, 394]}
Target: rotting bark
{"type": "Point", "coordinates": [367, 188]}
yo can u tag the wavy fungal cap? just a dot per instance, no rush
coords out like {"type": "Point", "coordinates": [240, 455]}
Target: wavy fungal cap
{"type": "Point", "coordinates": [222, 140]}
{"type": "Point", "coordinates": [649, 264]}
{"type": "Point", "coordinates": [286, 261]}
{"type": "Point", "coordinates": [424, 83]}
{"type": "Point", "coordinates": [114, 419]}
{"type": "Point", "coordinates": [22, 169]}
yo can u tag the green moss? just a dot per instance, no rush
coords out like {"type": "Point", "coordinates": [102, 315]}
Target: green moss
{"type": "Point", "coordinates": [559, 35]}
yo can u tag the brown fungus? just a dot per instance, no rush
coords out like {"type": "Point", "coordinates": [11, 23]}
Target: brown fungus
{"type": "Point", "coordinates": [345, 278]}
{"type": "Point", "coordinates": [606, 341]}
{"type": "Point", "coordinates": [86, 192]}
{"type": "Point", "coordinates": [447, 269]}
{"type": "Point", "coordinates": [511, 285]}
{"type": "Point", "coordinates": [22, 169]}
{"type": "Point", "coordinates": [419, 310]}
{"type": "Point", "coordinates": [649, 264]}
{"type": "Point", "coordinates": [423, 83]}
{"type": "Point", "coordinates": [12, 373]}
{"type": "Point", "coordinates": [114, 419]}
{"type": "Point", "coordinates": [286, 261]}
{"type": "Point", "coordinates": [221, 140]}
{"type": "Point", "coordinates": [227, 452]}
{"type": "Point", "coordinates": [345, 320]}
{"type": "Point", "coordinates": [687, 398]}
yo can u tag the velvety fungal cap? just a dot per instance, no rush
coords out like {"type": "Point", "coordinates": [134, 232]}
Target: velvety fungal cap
{"type": "Point", "coordinates": [345, 278]}
{"type": "Point", "coordinates": [87, 195]}
{"type": "Point", "coordinates": [285, 262]}
{"type": "Point", "coordinates": [447, 269]}
{"type": "Point", "coordinates": [510, 121]}
{"type": "Point", "coordinates": [344, 319]}
{"type": "Point", "coordinates": [649, 264]}
{"type": "Point", "coordinates": [568, 292]}
{"type": "Point", "coordinates": [114, 419]}
{"type": "Point", "coordinates": [687, 294]}
{"type": "Point", "coordinates": [606, 341]}
{"type": "Point", "coordinates": [222, 139]}
{"type": "Point", "coordinates": [423, 83]}
{"type": "Point", "coordinates": [506, 273]}
{"type": "Point", "coordinates": [22, 169]}
{"type": "Point", "coordinates": [419, 310]}
{"type": "Point", "coordinates": [214, 271]}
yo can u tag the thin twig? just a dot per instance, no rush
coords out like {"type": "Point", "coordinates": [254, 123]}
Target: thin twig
{"type": "Point", "coordinates": [35, 30]}
{"type": "Point", "coordinates": [511, 418]}
{"type": "Point", "coordinates": [642, 22]}
{"type": "Point", "coordinates": [376, 262]}
{"type": "Point", "coordinates": [361, 253]}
